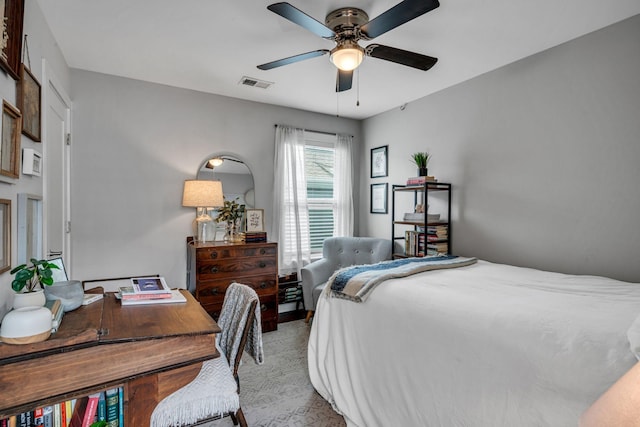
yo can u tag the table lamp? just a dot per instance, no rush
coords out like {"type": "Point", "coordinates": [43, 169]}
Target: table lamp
{"type": "Point", "coordinates": [203, 195]}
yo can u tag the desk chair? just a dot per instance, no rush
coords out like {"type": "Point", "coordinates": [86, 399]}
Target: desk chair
{"type": "Point", "coordinates": [215, 392]}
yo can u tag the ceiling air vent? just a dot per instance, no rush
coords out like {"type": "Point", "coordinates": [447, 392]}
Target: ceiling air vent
{"type": "Point", "coordinates": [250, 81]}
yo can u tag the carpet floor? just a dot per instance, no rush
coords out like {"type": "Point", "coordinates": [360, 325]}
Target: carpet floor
{"type": "Point", "coordinates": [278, 393]}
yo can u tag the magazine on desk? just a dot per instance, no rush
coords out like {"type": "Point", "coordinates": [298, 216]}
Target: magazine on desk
{"type": "Point", "coordinates": [150, 285]}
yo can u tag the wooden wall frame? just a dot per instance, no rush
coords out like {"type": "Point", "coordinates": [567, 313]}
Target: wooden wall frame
{"type": "Point", "coordinates": [10, 141]}
{"type": "Point", "coordinates": [13, 15]}
{"type": "Point", "coordinates": [29, 96]}
{"type": "Point", "coordinates": [5, 235]}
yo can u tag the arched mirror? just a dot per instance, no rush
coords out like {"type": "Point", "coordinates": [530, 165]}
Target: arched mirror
{"type": "Point", "coordinates": [235, 175]}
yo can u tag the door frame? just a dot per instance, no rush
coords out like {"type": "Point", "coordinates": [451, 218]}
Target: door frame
{"type": "Point", "coordinates": [53, 88]}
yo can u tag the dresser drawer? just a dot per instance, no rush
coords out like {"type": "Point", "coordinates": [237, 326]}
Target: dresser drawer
{"type": "Point", "coordinates": [212, 291]}
{"type": "Point", "coordinates": [244, 251]}
{"type": "Point", "coordinates": [234, 268]}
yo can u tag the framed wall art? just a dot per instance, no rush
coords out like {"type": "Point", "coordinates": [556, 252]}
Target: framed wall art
{"type": "Point", "coordinates": [29, 227]}
{"type": "Point", "coordinates": [29, 96]}
{"type": "Point", "coordinates": [11, 40]}
{"type": "Point", "coordinates": [255, 220]}
{"type": "Point", "coordinates": [5, 235]}
{"type": "Point", "coordinates": [10, 141]}
{"type": "Point", "coordinates": [379, 198]}
{"type": "Point", "coordinates": [379, 162]}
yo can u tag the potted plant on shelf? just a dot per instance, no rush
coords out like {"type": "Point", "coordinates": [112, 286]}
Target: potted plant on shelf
{"type": "Point", "coordinates": [29, 281]}
{"type": "Point", "coordinates": [230, 213]}
{"type": "Point", "coordinates": [421, 159]}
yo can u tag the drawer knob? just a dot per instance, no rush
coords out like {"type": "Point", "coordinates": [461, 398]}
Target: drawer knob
{"type": "Point", "coordinates": [213, 255]}
{"type": "Point", "coordinates": [262, 251]}
{"type": "Point", "coordinates": [263, 285]}
{"type": "Point", "coordinates": [262, 264]}
{"type": "Point", "coordinates": [263, 307]}
{"type": "Point", "coordinates": [214, 269]}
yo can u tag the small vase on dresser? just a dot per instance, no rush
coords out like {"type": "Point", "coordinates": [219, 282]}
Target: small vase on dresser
{"type": "Point", "coordinates": [29, 299]}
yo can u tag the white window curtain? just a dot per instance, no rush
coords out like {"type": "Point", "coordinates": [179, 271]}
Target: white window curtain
{"type": "Point", "coordinates": [342, 187]}
{"type": "Point", "coordinates": [291, 212]}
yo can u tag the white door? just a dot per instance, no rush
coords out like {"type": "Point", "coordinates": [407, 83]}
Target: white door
{"type": "Point", "coordinates": [57, 170]}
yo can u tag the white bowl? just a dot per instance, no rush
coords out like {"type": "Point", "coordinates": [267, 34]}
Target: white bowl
{"type": "Point", "coordinates": [26, 325]}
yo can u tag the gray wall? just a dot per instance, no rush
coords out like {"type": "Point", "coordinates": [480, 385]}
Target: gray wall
{"type": "Point", "coordinates": [134, 144]}
{"type": "Point", "coordinates": [41, 45]}
{"type": "Point", "coordinates": [543, 156]}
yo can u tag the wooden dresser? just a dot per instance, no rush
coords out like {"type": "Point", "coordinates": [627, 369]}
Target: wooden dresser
{"type": "Point", "coordinates": [212, 266]}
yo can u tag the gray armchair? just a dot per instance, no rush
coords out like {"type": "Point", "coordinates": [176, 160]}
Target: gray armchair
{"type": "Point", "coordinates": [339, 252]}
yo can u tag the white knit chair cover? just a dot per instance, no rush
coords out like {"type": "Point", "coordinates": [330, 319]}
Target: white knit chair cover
{"type": "Point", "coordinates": [214, 392]}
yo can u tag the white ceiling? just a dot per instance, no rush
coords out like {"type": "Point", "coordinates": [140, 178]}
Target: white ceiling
{"type": "Point", "coordinates": [209, 45]}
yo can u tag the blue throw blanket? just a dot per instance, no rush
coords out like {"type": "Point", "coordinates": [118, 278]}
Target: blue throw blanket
{"type": "Point", "coordinates": [356, 282]}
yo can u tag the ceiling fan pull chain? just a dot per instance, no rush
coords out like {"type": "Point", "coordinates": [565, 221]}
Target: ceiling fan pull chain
{"type": "Point", "coordinates": [358, 87]}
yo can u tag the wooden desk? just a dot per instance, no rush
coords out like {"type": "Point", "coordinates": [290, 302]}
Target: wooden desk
{"type": "Point", "coordinates": [152, 350]}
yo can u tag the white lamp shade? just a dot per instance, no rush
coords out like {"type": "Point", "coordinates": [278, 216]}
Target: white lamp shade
{"type": "Point", "coordinates": [202, 194]}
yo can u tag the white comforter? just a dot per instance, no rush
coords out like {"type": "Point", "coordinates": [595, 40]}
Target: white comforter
{"type": "Point", "coordinates": [483, 345]}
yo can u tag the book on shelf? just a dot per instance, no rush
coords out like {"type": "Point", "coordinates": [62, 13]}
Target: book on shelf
{"type": "Point", "coordinates": [91, 410]}
{"type": "Point", "coordinates": [174, 297]}
{"type": "Point", "coordinates": [112, 398]}
{"type": "Point", "coordinates": [255, 236]}
{"type": "Point", "coordinates": [419, 216]}
{"type": "Point", "coordinates": [79, 409]}
{"type": "Point", "coordinates": [419, 180]}
{"type": "Point", "coordinates": [47, 416]}
{"type": "Point", "coordinates": [102, 407]}
{"type": "Point", "coordinates": [121, 406]}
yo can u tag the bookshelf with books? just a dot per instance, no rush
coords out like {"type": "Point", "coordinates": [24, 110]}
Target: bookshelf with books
{"type": "Point", "coordinates": [421, 218]}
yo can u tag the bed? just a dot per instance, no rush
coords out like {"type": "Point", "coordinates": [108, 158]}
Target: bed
{"type": "Point", "coordinates": [479, 345]}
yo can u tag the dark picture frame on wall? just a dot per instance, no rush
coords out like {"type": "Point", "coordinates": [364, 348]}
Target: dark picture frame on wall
{"type": "Point", "coordinates": [11, 39]}
{"type": "Point", "coordinates": [379, 193]}
{"type": "Point", "coordinates": [29, 102]}
{"type": "Point", "coordinates": [379, 162]}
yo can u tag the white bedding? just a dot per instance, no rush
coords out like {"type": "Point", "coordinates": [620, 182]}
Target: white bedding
{"type": "Point", "coordinates": [482, 345]}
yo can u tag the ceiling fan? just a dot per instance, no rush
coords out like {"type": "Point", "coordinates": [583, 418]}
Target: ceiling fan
{"type": "Point", "coordinates": [346, 26]}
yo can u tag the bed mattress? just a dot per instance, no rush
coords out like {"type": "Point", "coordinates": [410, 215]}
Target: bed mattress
{"type": "Point", "coordinates": [481, 345]}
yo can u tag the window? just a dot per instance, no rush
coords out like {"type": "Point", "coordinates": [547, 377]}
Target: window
{"type": "Point", "coordinates": [319, 157]}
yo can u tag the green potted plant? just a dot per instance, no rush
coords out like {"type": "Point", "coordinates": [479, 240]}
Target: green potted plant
{"type": "Point", "coordinates": [421, 159]}
{"type": "Point", "coordinates": [230, 213]}
{"type": "Point", "coordinates": [29, 281]}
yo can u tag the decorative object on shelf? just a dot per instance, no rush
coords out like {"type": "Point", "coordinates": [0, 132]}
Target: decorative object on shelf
{"type": "Point", "coordinates": [379, 162]}
{"type": "Point", "coordinates": [5, 231]}
{"type": "Point", "coordinates": [69, 292]}
{"type": "Point", "coordinates": [420, 180]}
{"type": "Point", "coordinates": [11, 40]}
{"type": "Point", "coordinates": [29, 96]}
{"type": "Point", "coordinates": [421, 159]}
{"type": "Point", "coordinates": [255, 220]}
{"type": "Point", "coordinates": [31, 162]}
{"type": "Point", "coordinates": [31, 278]}
{"type": "Point", "coordinates": [379, 198]}
{"type": "Point", "coordinates": [231, 213]}
{"type": "Point", "coordinates": [10, 142]}
{"type": "Point", "coordinates": [26, 325]}
{"type": "Point", "coordinates": [203, 194]}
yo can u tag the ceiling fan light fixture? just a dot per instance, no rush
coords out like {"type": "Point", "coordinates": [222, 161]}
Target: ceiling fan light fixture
{"type": "Point", "coordinates": [347, 56]}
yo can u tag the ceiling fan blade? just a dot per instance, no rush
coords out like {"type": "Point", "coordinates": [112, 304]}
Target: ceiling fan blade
{"type": "Point", "coordinates": [292, 59]}
{"type": "Point", "coordinates": [399, 14]}
{"type": "Point", "coordinates": [399, 56]}
{"type": "Point", "coordinates": [344, 80]}
{"type": "Point", "coordinates": [297, 16]}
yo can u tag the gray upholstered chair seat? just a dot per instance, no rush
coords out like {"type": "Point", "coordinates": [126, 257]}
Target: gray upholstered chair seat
{"type": "Point", "coordinates": [337, 253]}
